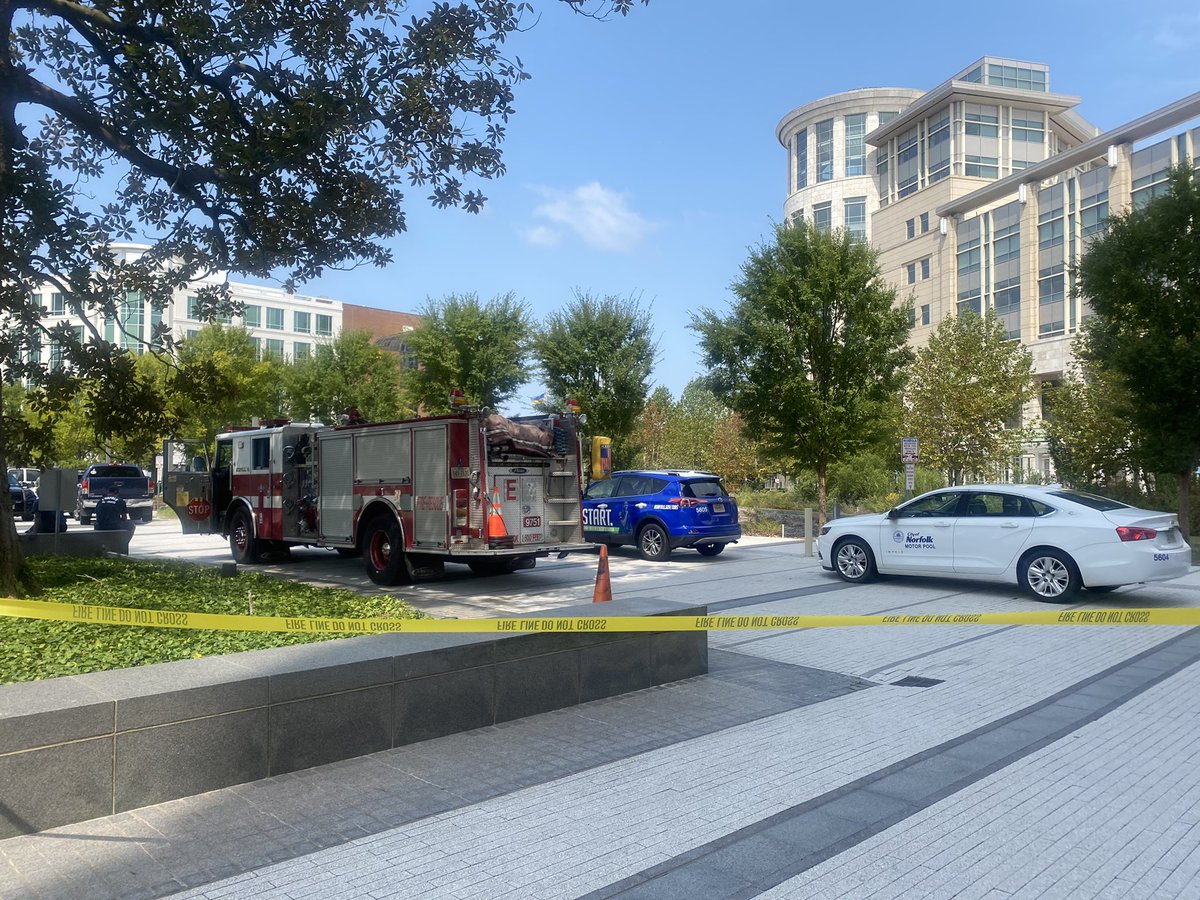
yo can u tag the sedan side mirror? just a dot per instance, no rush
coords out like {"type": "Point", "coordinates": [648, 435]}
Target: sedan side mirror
{"type": "Point", "coordinates": [893, 513]}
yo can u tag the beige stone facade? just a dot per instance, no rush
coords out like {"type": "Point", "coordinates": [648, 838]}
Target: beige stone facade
{"type": "Point", "coordinates": [984, 192]}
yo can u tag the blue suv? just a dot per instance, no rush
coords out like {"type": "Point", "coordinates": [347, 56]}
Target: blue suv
{"type": "Point", "coordinates": [659, 512]}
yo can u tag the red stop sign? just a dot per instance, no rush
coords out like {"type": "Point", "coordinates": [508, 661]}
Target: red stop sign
{"type": "Point", "coordinates": [199, 508]}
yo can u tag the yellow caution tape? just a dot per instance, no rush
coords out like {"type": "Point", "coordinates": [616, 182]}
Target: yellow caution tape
{"type": "Point", "coordinates": [161, 618]}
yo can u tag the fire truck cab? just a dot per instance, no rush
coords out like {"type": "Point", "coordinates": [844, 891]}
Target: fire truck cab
{"type": "Point", "coordinates": [491, 492]}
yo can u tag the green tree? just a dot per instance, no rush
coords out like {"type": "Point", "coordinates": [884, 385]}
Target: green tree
{"type": "Point", "coordinates": [967, 388]}
{"type": "Point", "coordinates": [218, 381]}
{"type": "Point", "coordinates": [259, 138]}
{"type": "Point", "coordinates": [813, 350]}
{"type": "Point", "coordinates": [1088, 437]}
{"type": "Point", "coordinates": [347, 371]}
{"type": "Point", "coordinates": [477, 348]}
{"type": "Point", "coordinates": [1142, 279]}
{"type": "Point", "coordinates": [652, 430]}
{"type": "Point", "coordinates": [600, 352]}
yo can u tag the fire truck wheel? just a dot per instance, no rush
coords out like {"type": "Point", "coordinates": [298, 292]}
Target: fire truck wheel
{"type": "Point", "coordinates": [242, 543]}
{"type": "Point", "coordinates": [383, 551]}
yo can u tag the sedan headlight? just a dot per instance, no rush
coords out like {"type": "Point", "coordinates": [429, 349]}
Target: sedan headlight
{"type": "Point", "coordinates": [824, 530]}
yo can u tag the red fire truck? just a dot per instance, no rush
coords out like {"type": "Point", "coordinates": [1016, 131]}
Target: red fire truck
{"type": "Point", "coordinates": [491, 492]}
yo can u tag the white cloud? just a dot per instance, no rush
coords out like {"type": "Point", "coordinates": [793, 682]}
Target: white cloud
{"type": "Point", "coordinates": [1179, 32]}
{"type": "Point", "coordinates": [600, 217]}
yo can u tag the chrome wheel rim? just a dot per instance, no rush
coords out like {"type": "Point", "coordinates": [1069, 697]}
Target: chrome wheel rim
{"type": "Point", "coordinates": [652, 542]}
{"type": "Point", "coordinates": [241, 536]}
{"type": "Point", "coordinates": [1048, 577]}
{"type": "Point", "coordinates": [852, 561]}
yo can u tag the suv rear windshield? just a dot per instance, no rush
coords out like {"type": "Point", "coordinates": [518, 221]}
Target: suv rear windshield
{"type": "Point", "coordinates": [117, 472]}
{"type": "Point", "coordinates": [702, 487]}
{"type": "Point", "coordinates": [1101, 503]}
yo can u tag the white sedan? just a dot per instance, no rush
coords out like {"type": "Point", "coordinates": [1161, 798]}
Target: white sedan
{"type": "Point", "coordinates": [1048, 539]}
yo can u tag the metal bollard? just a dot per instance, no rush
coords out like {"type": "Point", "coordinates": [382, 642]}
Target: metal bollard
{"type": "Point", "coordinates": [808, 535]}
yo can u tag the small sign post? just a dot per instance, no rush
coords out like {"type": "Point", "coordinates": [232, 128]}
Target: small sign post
{"type": "Point", "coordinates": [910, 455]}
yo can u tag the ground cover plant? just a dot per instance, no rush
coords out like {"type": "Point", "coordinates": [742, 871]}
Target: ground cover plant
{"type": "Point", "coordinates": [31, 649]}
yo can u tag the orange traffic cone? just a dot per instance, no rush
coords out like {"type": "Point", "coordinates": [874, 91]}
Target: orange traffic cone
{"type": "Point", "coordinates": [603, 591]}
{"type": "Point", "coordinates": [496, 527]}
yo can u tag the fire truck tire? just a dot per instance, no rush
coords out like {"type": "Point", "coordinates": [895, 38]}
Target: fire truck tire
{"type": "Point", "coordinates": [243, 546]}
{"type": "Point", "coordinates": [383, 551]}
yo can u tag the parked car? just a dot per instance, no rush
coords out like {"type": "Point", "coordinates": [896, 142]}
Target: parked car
{"type": "Point", "coordinates": [1048, 539]}
{"type": "Point", "coordinates": [27, 477]}
{"type": "Point", "coordinates": [133, 485]}
{"type": "Point", "coordinates": [659, 512]}
{"type": "Point", "coordinates": [24, 499]}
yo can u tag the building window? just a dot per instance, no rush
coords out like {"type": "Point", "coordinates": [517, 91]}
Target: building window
{"type": "Point", "coordinates": [887, 115]}
{"type": "Point", "coordinates": [1051, 301]}
{"type": "Point", "coordinates": [911, 269]}
{"type": "Point", "coordinates": [825, 150]}
{"type": "Point", "coordinates": [1028, 126]}
{"type": "Point", "coordinates": [301, 322]}
{"type": "Point", "coordinates": [1022, 77]}
{"type": "Point", "coordinates": [275, 348]}
{"type": "Point", "coordinates": [1006, 300]}
{"type": "Point", "coordinates": [274, 318]}
{"type": "Point", "coordinates": [969, 269]}
{"type": "Point", "coordinates": [252, 316]}
{"type": "Point", "coordinates": [1093, 213]}
{"type": "Point", "coordinates": [854, 217]}
{"type": "Point", "coordinates": [925, 269]}
{"type": "Point", "coordinates": [925, 314]}
{"type": "Point", "coordinates": [301, 351]}
{"type": "Point", "coordinates": [257, 342]}
{"type": "Point", "coordinates": [132, 319]}
{"type": "Point", "coordinates": [192, 332]}
{"type": "Point", "coordinates": [823, 217]}
{"type": "Point", "coordinates": [881, 175]}
{"type": "Point", "coordinates": [939, 147]}
{"type": "Point", "coordinates": [856, 154]}
{"type": "Point", "coordinates": [802, 158]}
{"type": "Point", "coordinates": [908, 164]}
{"type": "Point", "coordinates": [324, 324]}
{"type": "Point", "coordinates": [1151, 167]}
{"type": "Point", "coordinates": [193, 307]}
{"type": "Point", "coordinates": [982, 166]}
{"type": "Point", "coordinates": [924, 222]}
{"type": "Point", "coordinates": [797, 218]}
{"type": "Point", "coordinates": [910, 227]}
{"type": "Point", "coordinates": [58, 304]}
{"type": "Point", "coordinates": [155, 337]}
{"type": "Point", "coordinates": [1007, 244]}
{"type": "Point", "coordinates": [982, 121]}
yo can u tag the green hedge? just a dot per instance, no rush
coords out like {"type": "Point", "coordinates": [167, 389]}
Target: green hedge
{"type": "Point", "coordinates": [31, 649]}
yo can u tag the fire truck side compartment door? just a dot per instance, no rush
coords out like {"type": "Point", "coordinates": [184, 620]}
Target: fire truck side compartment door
{"type": "Point", "coordinates": [430, 487]}
{"type": "Point", "coordinates": [336, 503]}
{"type": "Point", "coordinates": [188, 485]}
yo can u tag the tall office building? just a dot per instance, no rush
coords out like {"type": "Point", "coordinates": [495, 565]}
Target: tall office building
{"type": "Point", "coordinates": [981, 194]}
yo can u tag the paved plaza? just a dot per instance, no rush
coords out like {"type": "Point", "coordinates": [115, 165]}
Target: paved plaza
{"type": "Point", "coordinates": [900, 762]}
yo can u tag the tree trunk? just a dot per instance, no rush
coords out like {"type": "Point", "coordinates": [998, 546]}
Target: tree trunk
{"type": "Point", "coordinates": [821, 498]}
{"type": "Point", "coordinates": [12, 560]}
{"type": "Point", "coordinates": [1185, 504]}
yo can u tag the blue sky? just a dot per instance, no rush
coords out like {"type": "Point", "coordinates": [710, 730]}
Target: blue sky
{"type": "Point", "coordinates": [643, 161]}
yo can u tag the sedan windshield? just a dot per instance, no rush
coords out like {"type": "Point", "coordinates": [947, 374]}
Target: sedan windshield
{"type": "Point", "coordinates": [1090, 500]}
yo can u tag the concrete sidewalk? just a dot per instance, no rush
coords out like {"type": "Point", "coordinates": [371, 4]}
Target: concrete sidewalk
{"type": "Point", "coordinates": [1040, 761]}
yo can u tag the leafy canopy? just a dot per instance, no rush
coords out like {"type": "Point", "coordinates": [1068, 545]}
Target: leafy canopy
{"type": "Point", "coordinates": [463, 344]}
{"type": "Point", "coordinates": [967, 387]}
{"type": "Point", "coordinates": [814, 349]}
{"type": "Point", "coordinates": [1142, 279]}
{"type": "Point", "coordinates": [348, 371]}
{"type": "Point", "coordinates": [600, 351]}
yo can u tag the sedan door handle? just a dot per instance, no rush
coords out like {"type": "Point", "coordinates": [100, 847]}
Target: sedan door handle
{"type": "Point", "coordinates": [1010, 525]}
{"type": "Point", "coordinates": [942, 524]}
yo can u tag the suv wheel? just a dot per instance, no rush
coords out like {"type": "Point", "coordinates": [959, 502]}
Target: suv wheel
{"type": "Point", "coordinates": [653, 543]}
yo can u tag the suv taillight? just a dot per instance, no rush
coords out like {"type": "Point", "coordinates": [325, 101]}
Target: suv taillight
{"type": "Point", "coordinates": [685, 501]}
{"type": "Point", "coordinates": [1130, 533]}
